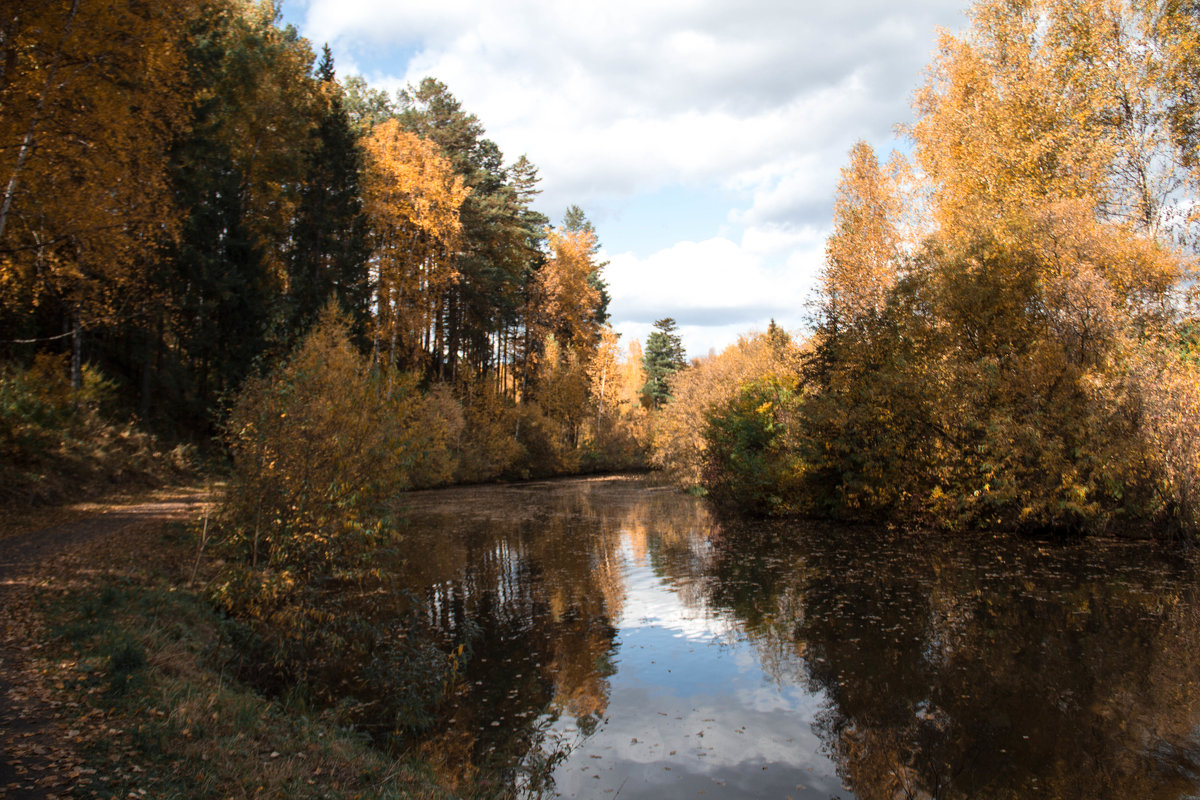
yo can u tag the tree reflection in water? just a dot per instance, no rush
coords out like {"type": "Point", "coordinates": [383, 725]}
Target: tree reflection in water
{"type": "Point", "coordinates": [529, 579]}
{"type": "Point", "coordinates": [984, 667]}
{"type": "Point", "coordinates": [970, 667]}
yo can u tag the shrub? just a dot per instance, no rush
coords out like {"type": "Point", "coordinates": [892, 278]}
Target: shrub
{"type": "Point", "coordinates": [321, 448]}
{"type": "Point", "coordinates": [318, 447]}
{"type": "Point", "coordinates": [56, 441]}
{"type": "Point", "coordinates": [749, 462]}
{"type": "Point", "coordinates": [487, 445]}
{"type": "Point", "coordinates": [1157, 404]}
{"type": "Point", "coordinates": [679, 431]}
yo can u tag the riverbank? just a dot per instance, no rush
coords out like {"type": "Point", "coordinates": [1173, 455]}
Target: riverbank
{"type": "Point", "coordinates": [116, 679]}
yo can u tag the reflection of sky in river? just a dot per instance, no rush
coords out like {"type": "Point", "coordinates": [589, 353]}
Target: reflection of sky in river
{"type": "Point", "coordinates": [691, 712]}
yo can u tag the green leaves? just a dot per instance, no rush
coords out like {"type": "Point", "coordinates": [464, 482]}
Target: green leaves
{"type": "Point", "coordinates": [749, 464]}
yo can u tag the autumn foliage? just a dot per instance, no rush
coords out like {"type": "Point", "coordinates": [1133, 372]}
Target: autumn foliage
{"type": "Point", "coordinates": [413, 199]}
{"type": "Point", "coordinates": [1003, 332]}
{"type": "Point", "coordinates": [185, 187]}
{"type": "Point", "coordinates": [681, 447]}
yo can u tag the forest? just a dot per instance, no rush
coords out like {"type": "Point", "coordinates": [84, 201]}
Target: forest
{"type": "Point", "coordinates": [190, 192]}
{"type": "Point", "coordinates": [209, 242]}
{"type": "Point", "coordinates": [221, 260]}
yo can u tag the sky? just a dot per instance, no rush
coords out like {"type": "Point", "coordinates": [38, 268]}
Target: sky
{"type": "Point", "coordinates": [703, 138]}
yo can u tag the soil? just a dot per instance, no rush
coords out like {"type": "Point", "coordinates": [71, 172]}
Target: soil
{"type": "Point", "coordinates": [36, 757]}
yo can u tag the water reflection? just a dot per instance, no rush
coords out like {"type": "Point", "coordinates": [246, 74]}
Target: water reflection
{"type": "Point", "coordinates": [999, 668]}
{"type": "Point", "coordinates": [618, 641]}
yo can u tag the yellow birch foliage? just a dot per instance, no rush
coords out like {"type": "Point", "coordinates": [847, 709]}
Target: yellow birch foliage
{"type": "Point", "coordinates": [1178, 35]}
{"type": "Point", "coordinates": [1149, 399]}
{"type": "Point", "coordinates": [1044, 135]}
{"type": "Point", "coordinates": [679, 444]}
{"type": "Point", "coordinates": [603, 370]}
{"type": "Point", "coordinates": [619, 419]}
{"type": "Point", "coordinates": [563, 396]}
{"type": "Point", "coordinates": [320, 445]}
{"type": "Point", "coordinates": [633, 375]}
{"type": "Point", "coordinates": [487, 445]}
{"type": "Point", "coordinates": [998, 130]}
{"type": "Point", "coordinates": [561, 315]}
{"type": "Point", "coordinates": [412, 198]}
{"type": "Point", "coordinates": [863, 255]}
{"type": "Point", "coordinates": [1169, 390]}
{"type": "Point", "coordinates": [91, 95]}
{"type": "Point", "coordinates": [962, 383]}
{"type": "Point", "coordinates": [563, 304]}
{"type": "Point", "coordinates": [1051, 100]}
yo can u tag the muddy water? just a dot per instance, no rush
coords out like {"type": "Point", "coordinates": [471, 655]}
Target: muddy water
{"type": "Point", "coordinates": [617, 642]}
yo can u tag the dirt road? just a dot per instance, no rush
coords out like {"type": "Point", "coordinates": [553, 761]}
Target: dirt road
{"type": "Point", "coordinates": [36, 761]}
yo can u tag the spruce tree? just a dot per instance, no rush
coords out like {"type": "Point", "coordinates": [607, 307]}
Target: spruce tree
{"type": "Point", "coordinates": [328, 256]}
{"type": "Point", "coordinates": [663, 357]}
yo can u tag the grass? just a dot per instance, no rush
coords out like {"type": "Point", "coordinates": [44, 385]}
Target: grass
{"type": "Point", "coordinates": [141, 666]}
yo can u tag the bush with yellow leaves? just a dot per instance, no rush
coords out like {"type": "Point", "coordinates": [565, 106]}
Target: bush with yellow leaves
{"type": "Point", "coordinates": [679, 443]}
{"type": "Point", "coordinates": [321, 449]}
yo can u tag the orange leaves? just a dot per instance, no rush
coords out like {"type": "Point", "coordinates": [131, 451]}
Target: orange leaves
{"type": "Point", "coordinates": [679, 444]}
{"type": "Point", "coordinates": [412, 198]}
{"type": "Point", "coordinates": [959, 377]}
{"type": "Point", "coordinates": [84, 187]}
{"type": "Point", "coordinates": [564, 303]}
{"type": "Point", "coordinates": [411, 187]}
{"type": "Point", "coordinates": [1048, 101]}
{"type": "Point", "coordinates": [863, 254]}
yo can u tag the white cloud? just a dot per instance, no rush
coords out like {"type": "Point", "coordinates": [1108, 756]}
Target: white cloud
{"type": "Point", "coordinates": [717, 288]}
{"type": "Point", "coordinates": [616, 99]}
{"type": "Point", "coordinates": [619, 96]}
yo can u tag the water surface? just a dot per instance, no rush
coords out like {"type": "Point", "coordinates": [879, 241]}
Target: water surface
{"type": "Point", "coordinates": [619, 642]}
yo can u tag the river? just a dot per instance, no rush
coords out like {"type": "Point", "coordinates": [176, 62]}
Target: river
{"type": "Point", "coordinates": [620, 642]}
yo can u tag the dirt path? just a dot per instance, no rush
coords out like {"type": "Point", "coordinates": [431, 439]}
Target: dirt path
{"type": "Point", "coordinates": [36, 761]}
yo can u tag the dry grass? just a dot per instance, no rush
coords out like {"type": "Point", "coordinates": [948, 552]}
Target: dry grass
{"type": "Point", "coordinates": [137, 661]}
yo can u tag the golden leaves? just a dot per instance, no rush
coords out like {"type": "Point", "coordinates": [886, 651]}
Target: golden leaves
{"type": "Point", "coordinates": [1048, 101]}
{"type": "Point", "coordinates": [85, 190]}
{"type": "Point", "coordinates": [411, 186]}
{"type": "Point", "coordinates": [412, 198]}
{"type": "Point", "coordinates": [679, 445]}
{"type": "Point", "coordinates": [864, 252]}
{"type": "Point", "coordinates": [563, 302]}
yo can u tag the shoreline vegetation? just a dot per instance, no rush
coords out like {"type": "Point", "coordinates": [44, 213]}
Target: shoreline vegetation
{"type": "Point", "coordinates": [328, 296]}
{"type": "Point", "coordinates": [135, 673]}
{"type": "Point", "coordinates": [1005, 335]}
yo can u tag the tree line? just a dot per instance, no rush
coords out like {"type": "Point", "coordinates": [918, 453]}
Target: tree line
{"type": "Point", "coordinates": [186, 186]}
{"type": "Point", "coordinates": [1006, 326]}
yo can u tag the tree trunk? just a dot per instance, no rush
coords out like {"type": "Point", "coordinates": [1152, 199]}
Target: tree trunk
{"type": "Point", "coordinates": [76, 356]}
{"type": "Point", "coordinates": [29, 139]}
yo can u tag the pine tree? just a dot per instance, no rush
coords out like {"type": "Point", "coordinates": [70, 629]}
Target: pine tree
{"type": "Point", "coordinates": [414, 201]}
{"type": "Point", "coordinates": [664, 356]}
{"type": "Point", "coordinates": [329, 247]}
{"type": "Point", "coordinates": [495, 255]}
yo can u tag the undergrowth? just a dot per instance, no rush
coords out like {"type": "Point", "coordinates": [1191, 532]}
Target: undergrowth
{"type": "Point", "coordinates": [145, 667]}
{"type": "Point", "coordinates": [58, 442]}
